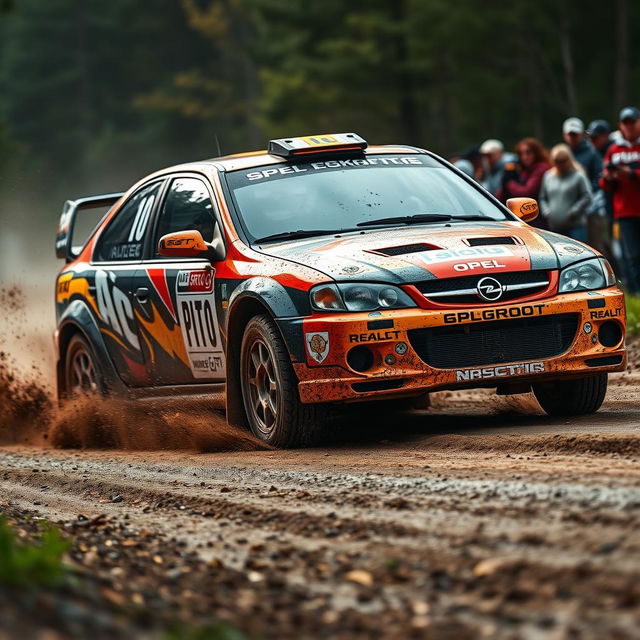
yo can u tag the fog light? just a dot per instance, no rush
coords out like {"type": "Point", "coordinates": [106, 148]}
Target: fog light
{"type": "Point", "coordinates": [360, 358]}
{"type": "Point", "coordinates": [401, 348]}
{"type": "Point", "coordinates": [610, 333]}
{"type": "Point", "coordinates": [587, 328]}
{"type": "Point", "coordinates": [390, 358]}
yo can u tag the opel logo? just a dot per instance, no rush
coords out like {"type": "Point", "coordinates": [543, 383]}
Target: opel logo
{"type": "Point", "coordinates": [489, 289]}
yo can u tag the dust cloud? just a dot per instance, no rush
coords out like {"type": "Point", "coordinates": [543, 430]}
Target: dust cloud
{"type": "Point", "coordinates": [30, 414]}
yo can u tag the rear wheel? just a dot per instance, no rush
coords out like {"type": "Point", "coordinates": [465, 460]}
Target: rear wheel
{"type": "Point", "coordinates": [82, 374]}
{"type": "Point", "coordinates": [572, 397]}
{"type": "Point", "coordinates": [270, 389]}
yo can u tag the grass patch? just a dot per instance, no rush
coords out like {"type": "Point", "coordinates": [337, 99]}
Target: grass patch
{"type": "Point", "coordinates": [26, 564]}
{"type": "Point", "coordinates": [633, 314]}
{"type": "Point", "coordinates": [222, 631]}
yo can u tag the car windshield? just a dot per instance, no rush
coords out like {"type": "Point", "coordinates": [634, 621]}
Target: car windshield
{"type": "Point", "coordinates": [354, 193]}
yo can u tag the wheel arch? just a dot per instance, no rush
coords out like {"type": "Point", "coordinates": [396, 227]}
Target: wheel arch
{"type": "Point", "coordinates": [78, 320]}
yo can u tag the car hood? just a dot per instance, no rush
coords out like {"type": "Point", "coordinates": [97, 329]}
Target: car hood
{"type": "Point", "coordinates": [417, 253]}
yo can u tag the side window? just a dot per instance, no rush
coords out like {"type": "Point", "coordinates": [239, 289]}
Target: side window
{"type": "Point", "coordinates": [123, 239]}
{"type": "Point", "coordinates": [187, 206]}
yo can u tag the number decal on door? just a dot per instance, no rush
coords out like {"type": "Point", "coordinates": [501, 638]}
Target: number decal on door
{"type": "Point", "coordinates": [197, 316]}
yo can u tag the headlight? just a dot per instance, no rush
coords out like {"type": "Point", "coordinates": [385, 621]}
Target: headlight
{"type": "Point", "coordinates": [359, 296]}
{"type": "Point", "coordinates": [590, 274]}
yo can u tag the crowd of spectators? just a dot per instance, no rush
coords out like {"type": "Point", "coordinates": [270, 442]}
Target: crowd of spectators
{"type": "Point", "coordinates": [587, 186]}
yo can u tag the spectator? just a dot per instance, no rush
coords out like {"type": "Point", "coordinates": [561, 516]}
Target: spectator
{"type": "Point", "coordinates": [598, 132]}
{"type": "Point", "coordinates": [622, 177]}
{"type": "Point", "coordinates": [470, 162]}
{"type": "Point", "coordinates": [600, 228]}
{"type": "Point", "coordinates": [583, 151]}
{"type": "Point", "coordinates": [465, 166]}
{"type": "Point", "coordinates": [494, 160]}
{"type": "Point", "coordinates": [565, 196]}
{"type": "Point", "coordinates": [526, 180]}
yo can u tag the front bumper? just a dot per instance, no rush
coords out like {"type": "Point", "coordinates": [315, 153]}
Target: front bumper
{"type": "Point", "coordinates": [397, 369]}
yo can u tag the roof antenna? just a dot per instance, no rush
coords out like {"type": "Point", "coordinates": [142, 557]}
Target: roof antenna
{"type": "Point", "coordinates": [218, 145]}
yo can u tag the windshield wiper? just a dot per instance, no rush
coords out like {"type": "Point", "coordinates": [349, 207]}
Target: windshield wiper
{"type": "Point", "coordinates": [418, 218]}
{"type": "Point", "coordinates": [421, 218]}
{"type": "Point", "coordinates": [300, 233]}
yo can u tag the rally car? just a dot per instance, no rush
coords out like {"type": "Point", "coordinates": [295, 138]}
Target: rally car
{"type": "Point", "coordinates": [326, 271]}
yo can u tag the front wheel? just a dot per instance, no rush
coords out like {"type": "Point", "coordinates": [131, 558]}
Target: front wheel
{"type": "Point", "coordinates": [572, 397]}
{"type": "Point", "coordinates": [270, 390]}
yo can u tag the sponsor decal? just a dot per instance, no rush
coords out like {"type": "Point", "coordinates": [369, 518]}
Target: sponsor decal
{"type": "Point", "coordinates": [494, 314]}
{"type": "Point", "coordinates": [502, 371]}
{"type": "Point", "coordinates": [528, 207]}
{"type": "Point", "coordinates": [64, 285]}
{"type": "Point", "coordinates": [606, 313]}
{"type": "Point", "coordinates": [318, 345]}
{"type": "Point", "coordinates": [115, 308]}
{"type": "Point", "coordinates": [351, 269]}
{"type": "Point", "coordinates": [198, 322]}
{"type": "Point", "coordinates": [478, 264]}
{"type": "Point", "coordinates": [374, 336]}
{"type": "Point", "coordinates": [449, 255]}
{"type": "Point", "coordinates": [572, 249]}
{"type": "Point", "coordinates": [333, 164]}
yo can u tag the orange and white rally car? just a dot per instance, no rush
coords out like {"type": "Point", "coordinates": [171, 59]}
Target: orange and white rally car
{"type": "Point", "coordinates": [326, 271]}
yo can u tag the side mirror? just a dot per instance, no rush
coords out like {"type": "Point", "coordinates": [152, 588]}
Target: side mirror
{"type": "Point", "coordinates": [525, 208]}
{"type": "Point", "coordinates": [190, 244]}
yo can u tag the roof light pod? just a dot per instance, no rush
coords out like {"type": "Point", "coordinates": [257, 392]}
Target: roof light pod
{"type": "Point", "coordinates": [312, 145]}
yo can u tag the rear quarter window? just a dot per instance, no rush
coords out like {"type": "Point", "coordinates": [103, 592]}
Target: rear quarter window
{"type": "Point", "coordinates": [123, 239]}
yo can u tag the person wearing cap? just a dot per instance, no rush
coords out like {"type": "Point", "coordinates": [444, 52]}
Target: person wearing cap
{"type": "Point", "coordinates": [622, 177]}
{"type": "Point", "coordinates": [599, 132]}
{"type": "Point", "coordinates": [494, 160]}
{"type": "Point", "coordinates": [582, 149]}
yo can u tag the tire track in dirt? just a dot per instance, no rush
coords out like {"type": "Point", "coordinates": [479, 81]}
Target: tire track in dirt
{"type": "Point", "coordinates": [310, 505]}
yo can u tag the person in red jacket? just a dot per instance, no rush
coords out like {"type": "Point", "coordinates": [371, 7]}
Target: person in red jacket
{"type": "Point", "coordinates": [622, 177]}
{"type": "Point", "coordinates": [526, 180]}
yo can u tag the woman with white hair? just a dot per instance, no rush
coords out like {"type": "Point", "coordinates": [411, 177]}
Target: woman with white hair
{"type": "Point", "coordinates": [565, 195]}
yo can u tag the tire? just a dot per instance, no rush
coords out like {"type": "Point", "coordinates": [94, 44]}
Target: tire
{"type": "Point", "coordinates": [572, 397]}
{"type": "Point", "coordinates": [270, 389]}
{"type": "Point", "coordinates": [82, 374]}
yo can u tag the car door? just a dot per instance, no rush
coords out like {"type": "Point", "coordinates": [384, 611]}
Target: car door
{"type": "Point", "coordinates": [118, 253]}
{"type": "Point", "coordinates": [175, 297]}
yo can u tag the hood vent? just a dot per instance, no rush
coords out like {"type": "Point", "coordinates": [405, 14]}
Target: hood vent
{"type": "Point", "coordinates": [406, 248]}
{"type": "Point", "coordinates": [483, 242]}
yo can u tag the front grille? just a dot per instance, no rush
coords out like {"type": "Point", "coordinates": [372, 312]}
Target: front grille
{"type": "Point", "coordinates": [462, 290]}
{"type": "Point", "coordinates": [484, 343]}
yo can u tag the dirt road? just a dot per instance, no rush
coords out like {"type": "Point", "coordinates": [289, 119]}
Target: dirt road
{"type": "Point", "coordinates": [474, 519]}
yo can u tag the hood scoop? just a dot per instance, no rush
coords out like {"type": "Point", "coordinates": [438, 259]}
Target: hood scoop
{"type": "Point", "coordinates": [483, 242]}
{"type": "Point", "coordinates": [405, 249]}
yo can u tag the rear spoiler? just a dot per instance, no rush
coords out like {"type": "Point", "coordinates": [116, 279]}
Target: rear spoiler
{"type": "Point", "coordinates": [64, 237]}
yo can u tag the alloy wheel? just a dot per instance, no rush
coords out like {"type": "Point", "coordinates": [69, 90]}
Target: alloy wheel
{"type": "Point", "coordinates": [262, 386]}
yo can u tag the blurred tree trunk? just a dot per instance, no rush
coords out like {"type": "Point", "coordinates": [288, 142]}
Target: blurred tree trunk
{"type": "Point", "coordinates": [566, 51]}
{"type": "Point", "coordinates": [84, 101]}
{"type": "Point", "coordinates": [621, 91]}
{"type": "Point", "coordinates": [239, 50]}
{"type": "Point", "coordinates": [410, 125]}
{"type": "Point", "coordinates": [534, 102]}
